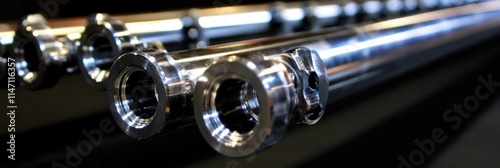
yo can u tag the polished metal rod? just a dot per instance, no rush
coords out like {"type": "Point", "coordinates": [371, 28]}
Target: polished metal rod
{"type": "Point", "coordinates": [181, 29]}
{"type": "Point", "coordinates": [105, 37]}
{"type": "Point", "coordinates": [46, 49]}
{"type": "Point", "coordinates": [354, 59]}
{"type": "Point", "coordinates": [152, 90]}
{"type": "Point", "coordinates": [68, 32]}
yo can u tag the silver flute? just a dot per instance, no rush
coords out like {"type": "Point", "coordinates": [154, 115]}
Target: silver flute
{"type": "Point", "coordinates": [243, 95]}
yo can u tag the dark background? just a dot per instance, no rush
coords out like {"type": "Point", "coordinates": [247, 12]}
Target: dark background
{"type": "Point", "coordinates": [14, 10]}
{"type": "Point", "coordinates": [369, 129]}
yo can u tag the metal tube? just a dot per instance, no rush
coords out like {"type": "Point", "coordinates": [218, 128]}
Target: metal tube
{"type": "Point", "coordinates": [152, 89]}
{"type": "Point", "coordinates": [105, 38]}
{"type": "Point", "coordinates": [353, 61]}
{"type": "Point", "coordinates": [176, 29]}
{"type": "Point", "coordinates": [45, 50]}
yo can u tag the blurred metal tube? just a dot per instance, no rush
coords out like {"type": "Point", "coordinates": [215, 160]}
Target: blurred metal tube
{"type": "Point", "coordinates": [105, 38]}
{"type": "Point", "coordinates": [151, 90]}
{"type": "Point", "coordinates": [181, 29]}
{"type": "Point", "coordinates": [360, 61]}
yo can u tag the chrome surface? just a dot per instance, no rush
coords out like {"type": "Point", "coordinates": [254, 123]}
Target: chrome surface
{"type": "Point", "coordinates": [354, 57]}
{"type": "Point", "coordinates": [211, 24]}
{"type": "Point", "coordinates": [246, 106]}
{"type": "Point", "coordinates": [38, 63]}
{"type": "Point", "coordinates": [44, 53]}
{"type": "Point", "coordinates": [194, 28]}
{"type": "Point", "coordinates": [324, 14]}
{"type": "Point", "coordinates": [283, 89]}
{"type": "Point", "coordinates": [68, 32]}
{"type": "Point", "coordinates": [103, 40]}
{"type": "Point", "coordinates": [358, 59]}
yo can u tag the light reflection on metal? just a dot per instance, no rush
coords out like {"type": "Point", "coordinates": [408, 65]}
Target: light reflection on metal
{"type": "Point", "coordinates": [45, 50]}
{"type": "Point", "coordinates": [353, 57]}
{"type": "Point", "coordinates": [327, 11]}
{"type": "Point", "coordinates": [194, 28]}
{"type": "Point", "coordinates": [154, 26]}
{"type": "Point", "coordinates": [235, 19]}
{"type": "Point", "coordinates": [293, 14]}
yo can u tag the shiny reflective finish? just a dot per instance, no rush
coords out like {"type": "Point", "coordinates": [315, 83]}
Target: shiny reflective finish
{"type": "Point", "coordinates": [394, 8]}
{"type": "Point", "coordinates": [377, 10]}
{"type": "Point", "coordinates": [372, 9]}
{"type": "Point", "coordinates": [68, 32]}
{"type": "Point", "coordinates": [428, 4]}
{"type": "Point", "coordinates": [410, 6]}
{"type": "Point", "coordinates": [44, 53]}
{"type": "Point", "coordinates": [324, 14]}
{"type": "Point", "coordinates": [107, 37]}
{"type": "Point", "coordinates": [215, 24]}
{"type": "Point", "coordinates": [247, 102]}
{"type": "Point", "coordinates": [368, 54]}
{"type": "Point", "coordinates": [354, 58]}
{"type": "Point", "coordinates": [38, 64]}
{"type": "Point", "coordinates": [165, 27]}
{"type": "Point", "coordinates": [250, 104]}
{"type": "Point", "coordinates": [103, 40]}
{"type": "Point", "coordinates": [351, 12]}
